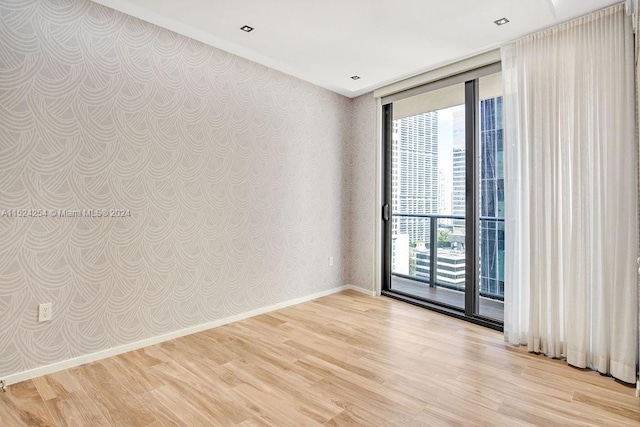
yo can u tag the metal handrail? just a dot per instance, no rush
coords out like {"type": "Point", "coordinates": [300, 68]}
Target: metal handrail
{"type": "Point", "coordinates": [441, 216]}
{"type": "Point", "coordinates": [433, 265]}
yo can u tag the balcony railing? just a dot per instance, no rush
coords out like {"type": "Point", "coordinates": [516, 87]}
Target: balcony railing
{"type": "Point", "coordinates": [450, 263]}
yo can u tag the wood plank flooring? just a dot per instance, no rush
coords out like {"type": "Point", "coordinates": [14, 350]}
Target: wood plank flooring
{"type": "Point", "coordinates": [346, 359]}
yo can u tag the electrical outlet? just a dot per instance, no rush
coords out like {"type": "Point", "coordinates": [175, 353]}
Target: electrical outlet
{"type": "Point", "coordinates": [44, 312]}
{"type": "Point", "coordinates": [330, 261]}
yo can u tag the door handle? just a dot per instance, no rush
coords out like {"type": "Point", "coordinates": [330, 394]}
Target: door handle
{"type": "Point", "coordinates": [385, 212]}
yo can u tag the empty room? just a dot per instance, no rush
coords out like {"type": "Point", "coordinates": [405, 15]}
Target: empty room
{"type": "Point", "coordinates": [340, 213]}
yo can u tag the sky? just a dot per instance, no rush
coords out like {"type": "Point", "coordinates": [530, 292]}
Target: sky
{"type": "Point", "coordinates": [450, 134]}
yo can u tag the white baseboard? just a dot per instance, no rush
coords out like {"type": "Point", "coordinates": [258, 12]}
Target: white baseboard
{"type": "Point", "coordinates": [92, 357]}
{"type": "Point", "coordinates": [361, 290]}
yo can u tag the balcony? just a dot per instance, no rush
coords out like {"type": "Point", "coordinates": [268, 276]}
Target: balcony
{"type": "Point", "coordinates": [426, 240]}
{"type": "Point", "coordinates": [487, 307]}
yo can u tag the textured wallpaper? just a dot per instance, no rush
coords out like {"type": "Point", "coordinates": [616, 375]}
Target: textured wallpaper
{"type": "Point", "coordinates": [149, 182]}
{"type": "Point", "coordinates": [360, 194]}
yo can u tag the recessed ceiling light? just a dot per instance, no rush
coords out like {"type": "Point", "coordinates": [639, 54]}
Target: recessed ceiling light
{"type": "Point", "coordinates": [247, 29]}
{"type": "Point", "coordinates": [355, 77]}
{"type": "Point", "coordinates": [501, 21]}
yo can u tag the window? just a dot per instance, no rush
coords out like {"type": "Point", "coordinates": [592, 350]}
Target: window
{"type": "Point", "coordinates": [445, 185]}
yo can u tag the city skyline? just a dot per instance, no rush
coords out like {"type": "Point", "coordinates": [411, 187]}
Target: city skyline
{"type": "Point", "coordinates": [429, 150]}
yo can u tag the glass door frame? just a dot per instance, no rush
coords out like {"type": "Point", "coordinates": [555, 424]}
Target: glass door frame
{"type": "Point", "coordinates": [472, 206]}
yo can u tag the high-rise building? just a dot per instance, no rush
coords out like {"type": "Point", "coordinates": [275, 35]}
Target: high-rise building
{"type": "Point", "coordinates": [415, 174]}
{"type": "Point", "coordinates": [400, 253]}
{"type": "Point", "coordinates": [459, 182]}
{"type": "Point", "coordinates": [491, 197]}
{"type": "Point", "coordinates": [450, 263]}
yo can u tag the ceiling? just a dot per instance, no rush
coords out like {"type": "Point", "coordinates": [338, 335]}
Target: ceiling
{"type": "Point", "coordinates": [326, 42]}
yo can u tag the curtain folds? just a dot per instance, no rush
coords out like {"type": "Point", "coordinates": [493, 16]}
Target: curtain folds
{"type": "Point", "coordinates": [633, 6]}
{"type": "Point", "coordinates": [571, 163]}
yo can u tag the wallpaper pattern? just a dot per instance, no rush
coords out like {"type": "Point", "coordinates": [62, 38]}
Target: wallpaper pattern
{"type": "Point", "coordinates": [149, 182]}
{"type": "Point", "coordinates": [360, 198]}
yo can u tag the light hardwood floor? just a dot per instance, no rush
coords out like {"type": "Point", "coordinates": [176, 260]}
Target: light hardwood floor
{"type": "Point", "coordinates": [345, 359]}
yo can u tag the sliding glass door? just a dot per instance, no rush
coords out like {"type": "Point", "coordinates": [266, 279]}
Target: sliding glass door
{"type": "Point", "coordinates": [444, 197]}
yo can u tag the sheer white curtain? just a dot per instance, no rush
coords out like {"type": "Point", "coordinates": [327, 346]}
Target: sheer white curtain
{"type": "Point", "coordinates": [634, 7]}
{"type": "Point", "coordinates": [571, 161]}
